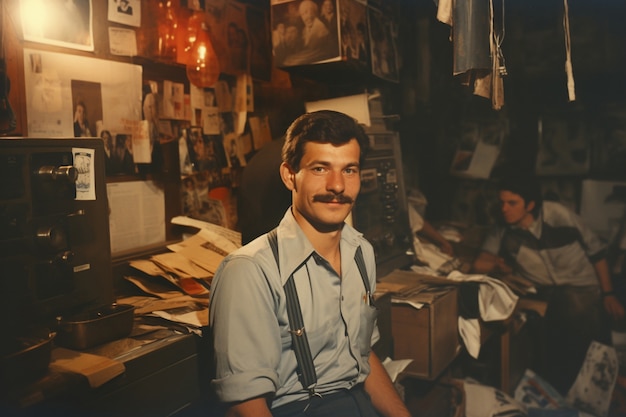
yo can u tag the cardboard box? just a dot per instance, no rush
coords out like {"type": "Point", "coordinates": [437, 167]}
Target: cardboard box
{"type": "Point", "coordinates": [428, 335]}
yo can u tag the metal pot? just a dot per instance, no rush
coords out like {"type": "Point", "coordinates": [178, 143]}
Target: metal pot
{"type": "Point", "coordinates": [94, 327]}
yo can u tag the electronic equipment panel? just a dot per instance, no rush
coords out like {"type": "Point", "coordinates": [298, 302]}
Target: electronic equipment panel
{"type": "Point", "coordinates": [380, 212]}
{"type": "Point", "coordinates": [55, 254]}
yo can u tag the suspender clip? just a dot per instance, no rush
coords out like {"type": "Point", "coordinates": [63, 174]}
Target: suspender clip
{"type": "Point", "coordinates": [297, 332]}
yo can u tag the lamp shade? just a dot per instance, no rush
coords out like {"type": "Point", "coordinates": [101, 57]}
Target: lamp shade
{"type": "Point", "coordinates": [203, 68]}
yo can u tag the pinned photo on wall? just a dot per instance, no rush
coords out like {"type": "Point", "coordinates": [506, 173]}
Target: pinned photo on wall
{"type": "Point", "coordinates": [304, 32]}
{"type": "Point", "coordinates": [478, 149]}
{"type": "Point", "coordinates": [122, 42]}
{"type": "Point", "coordinates": [60, 23]}
{"type": "Point", "coordinates": [234, 148]}
{"type": "Point", "coordinates": [173, 100]}
{"type": "Point", "coordinates": [87, 105]}
{"type": "Point", "coordinates": [126, 12]}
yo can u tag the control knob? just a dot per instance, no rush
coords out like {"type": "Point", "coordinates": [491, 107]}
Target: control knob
{"type": "Point", "coordinates": [60, 173]}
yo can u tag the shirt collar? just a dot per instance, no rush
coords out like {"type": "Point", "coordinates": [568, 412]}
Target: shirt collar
{"type": "Point", "coordinates": [294, 248]}
{"type": "Point", "coordinates": [534, 228]}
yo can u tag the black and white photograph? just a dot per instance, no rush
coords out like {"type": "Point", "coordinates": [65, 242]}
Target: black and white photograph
{"type": "Point", "coordinates": [87, 105]}
{"type": "Point", "coordinates": [301, 36]}
{"type": "Point", "coordinates": [126, 12]}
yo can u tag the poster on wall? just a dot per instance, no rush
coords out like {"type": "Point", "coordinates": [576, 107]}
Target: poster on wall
{"type": "Point", "coordinates": [73, 96]}
{"type": "Point", "coordinates": [60, 23]}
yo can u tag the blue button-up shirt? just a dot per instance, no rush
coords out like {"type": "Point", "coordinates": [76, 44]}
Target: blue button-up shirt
{"type": "Point", "coordinates": [250, 326]}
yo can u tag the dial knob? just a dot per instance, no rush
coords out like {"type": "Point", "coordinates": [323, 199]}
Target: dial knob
{"type": "Point", "coordinates": [60, 173]}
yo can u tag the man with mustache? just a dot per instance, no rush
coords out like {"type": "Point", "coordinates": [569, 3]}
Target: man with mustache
{"type": "Point", "coordinates": [269, 361]}
{"type": "Point", "coordinates": [551, 246]}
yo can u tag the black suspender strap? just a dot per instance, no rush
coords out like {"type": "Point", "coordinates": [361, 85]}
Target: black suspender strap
{"type": "Point", "coordinates": [296, 323]}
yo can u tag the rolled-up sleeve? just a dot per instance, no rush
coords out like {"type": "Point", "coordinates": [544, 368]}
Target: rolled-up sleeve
{"type": "Point", "coordinates": [246, 336]}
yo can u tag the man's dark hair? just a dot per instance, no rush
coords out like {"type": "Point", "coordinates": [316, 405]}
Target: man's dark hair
{"type": "Point", "coordinates": [526, 186]}
{"type": "Point", "coordinates": [323, 126]}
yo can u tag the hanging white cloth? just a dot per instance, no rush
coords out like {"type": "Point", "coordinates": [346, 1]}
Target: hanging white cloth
{"type": "Point", "coordinates": [571, 89]}
{"type": "Point", "coordinates": [496, 301]}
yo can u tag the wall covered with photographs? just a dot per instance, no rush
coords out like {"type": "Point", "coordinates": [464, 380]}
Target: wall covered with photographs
{"type": "Point", "coordinates": [184, 92]}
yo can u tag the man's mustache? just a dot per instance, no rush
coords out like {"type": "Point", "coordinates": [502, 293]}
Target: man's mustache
{"type": "Point", "coordinates": [333, 198]}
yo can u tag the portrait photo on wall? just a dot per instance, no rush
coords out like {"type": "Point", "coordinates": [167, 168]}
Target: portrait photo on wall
{"type": "Point", "coordinates": [206, 152]}
{"type": "Point", "coordinates": [87, 105]}
{"type": "Point", "coordinates": [66, 23]}
{"type": "Point", "coordinates": [120, 161]}
{"type": "Point", "coordinates": [304, 32]}
{"type": "Point", "coordinates": [126, 12]}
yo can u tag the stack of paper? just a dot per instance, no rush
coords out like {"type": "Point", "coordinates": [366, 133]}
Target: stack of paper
{"type": "Point", "coordinates": [97, 369]}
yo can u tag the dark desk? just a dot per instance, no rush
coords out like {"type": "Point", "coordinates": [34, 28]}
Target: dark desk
{"type": "Point", "coordinates": [162, 378]}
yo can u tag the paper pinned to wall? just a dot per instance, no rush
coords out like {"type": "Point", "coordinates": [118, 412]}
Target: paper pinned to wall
{"type": "Point", "coordinates": [84, 164]}
{"type": "Point", "coordinates": [54, 82]}
{"type": "Point", "coordinates": [140, 226]}
{"type": "Point", "coordinates": [355, 106]}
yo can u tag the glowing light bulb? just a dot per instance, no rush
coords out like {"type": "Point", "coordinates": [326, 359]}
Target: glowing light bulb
{"type": "Point", "coordinates": [203, 68]}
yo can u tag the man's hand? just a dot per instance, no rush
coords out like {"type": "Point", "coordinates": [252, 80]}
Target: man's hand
{"type": "Point", "coordinates": [486, 263]}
